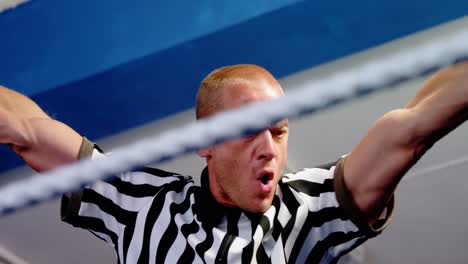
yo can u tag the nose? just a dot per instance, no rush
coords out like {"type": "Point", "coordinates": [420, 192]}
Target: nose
{"type": "Point", "coordinates": [265, 147]}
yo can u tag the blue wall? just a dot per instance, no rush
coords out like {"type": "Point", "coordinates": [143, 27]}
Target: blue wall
{"type": "Point", "coordinates": [106, 66]}
{"type": "Point", "coordinates": [47, 43]}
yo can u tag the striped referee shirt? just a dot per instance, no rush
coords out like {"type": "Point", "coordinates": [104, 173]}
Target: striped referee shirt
{"type": "Point", "coordinates": [153, 216]}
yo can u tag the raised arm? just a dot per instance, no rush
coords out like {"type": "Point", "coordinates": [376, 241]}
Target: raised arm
{"type": "Point", "coordinates": [42, 142]}
{"type": "Point", "coordinates": [398, 139]}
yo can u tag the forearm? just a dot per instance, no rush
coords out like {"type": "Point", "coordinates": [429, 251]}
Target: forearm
{"type": "Point", "coordinates": [441, 104]}
{"type": "Point", "coordinates": [15, 108]}
{"type": "Point", "coordinates": [15, 112]}
{"type": "Point", "coordinates": [42, 142]}
{"type": "Point", "coordinates": [19, 105]}
{"type": "Point", "coordinates": [454, 74]}
{"type": "Point", "coordinates": [50, 144]}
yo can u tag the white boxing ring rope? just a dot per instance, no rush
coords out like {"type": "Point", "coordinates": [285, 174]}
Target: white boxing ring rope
{"type": "Point", "coordinates": [358, 81]}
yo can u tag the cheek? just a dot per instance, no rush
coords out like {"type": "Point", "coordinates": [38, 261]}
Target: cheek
{"type": "Point", "coordinates": [234, 151]}
{"type": "Point", "coordinates": [226, 160]}
{"type": "Point", "coordinates": [283, 156]}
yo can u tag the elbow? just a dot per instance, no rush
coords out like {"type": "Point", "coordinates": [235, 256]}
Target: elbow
{"type": "Point", "coordinates": [402, 130]}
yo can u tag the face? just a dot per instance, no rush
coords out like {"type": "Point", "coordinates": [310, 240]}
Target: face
{"type": "Point", "coordinates": [244, 172]}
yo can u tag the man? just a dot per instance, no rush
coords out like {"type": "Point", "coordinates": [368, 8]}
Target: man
{"type": "Point", "coordinates": [244, 211]}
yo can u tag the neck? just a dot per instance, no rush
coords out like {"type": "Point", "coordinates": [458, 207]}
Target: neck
{"type": "Point", "coordinates": [217, 191]}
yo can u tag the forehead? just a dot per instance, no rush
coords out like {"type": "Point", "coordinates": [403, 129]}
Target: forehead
{"type": "Point", "coordinates": [244, 92]}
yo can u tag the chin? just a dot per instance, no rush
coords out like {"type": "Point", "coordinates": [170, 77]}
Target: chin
{"type": "Point", "coordinates": [262, 207]}
{"type": "Point", "coordinates": [256, 210]}
{"type": "Point", "coordinates": [263, 210]}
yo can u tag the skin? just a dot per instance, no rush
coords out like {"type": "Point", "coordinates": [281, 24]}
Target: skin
{"type": "Point", "coordinates": [43, 143]}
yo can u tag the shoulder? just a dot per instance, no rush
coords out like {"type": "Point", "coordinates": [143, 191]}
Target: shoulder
{"type": "Point", "coordinates": [137, 176]}
{"type": "Point", "coordinates": [316, 174]}
{"type": "Point", "coordinates": [313, 181]}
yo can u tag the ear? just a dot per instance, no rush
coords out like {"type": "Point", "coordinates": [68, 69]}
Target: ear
{"type": "Point", "coordinates": [204, 152]}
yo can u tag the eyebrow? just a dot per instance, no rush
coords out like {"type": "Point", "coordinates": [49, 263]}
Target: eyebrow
{"type": "Point", "coordinates": [281, 123]}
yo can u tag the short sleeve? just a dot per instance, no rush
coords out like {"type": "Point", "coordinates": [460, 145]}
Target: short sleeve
{"type": "Point", "coordinates": [323, 216]}
{"type": "Point", "coordinates": [106, 207]}
{"type": "Point", "coordinates": [346, 202]}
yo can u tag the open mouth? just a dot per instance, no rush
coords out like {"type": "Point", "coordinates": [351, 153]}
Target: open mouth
{"type": "Point", "coordinates": [265, 177]}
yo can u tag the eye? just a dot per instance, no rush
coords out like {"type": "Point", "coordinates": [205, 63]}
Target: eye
{"type": "Point", "coordinates": [279, 132]}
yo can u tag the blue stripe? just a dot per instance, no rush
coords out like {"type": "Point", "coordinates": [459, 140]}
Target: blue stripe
{"type": "Point", "coordinates": [287, 40]}
{"type": "Point", "coordinates": [49, 43]}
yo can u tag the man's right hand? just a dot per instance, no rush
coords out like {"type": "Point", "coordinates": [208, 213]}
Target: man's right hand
{"type": "Point", "coordinates": [42, 142]}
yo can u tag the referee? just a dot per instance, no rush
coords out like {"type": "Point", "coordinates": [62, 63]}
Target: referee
{"type": "Point", "coordinates": [245, 210]}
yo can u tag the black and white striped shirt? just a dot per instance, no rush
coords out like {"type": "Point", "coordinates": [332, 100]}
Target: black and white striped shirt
{"type": "Point", "coordinates": [153, 216]}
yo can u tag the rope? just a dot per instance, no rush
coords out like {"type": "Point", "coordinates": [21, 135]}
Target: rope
{"type": "Point", "coordinates": [343, 86]}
